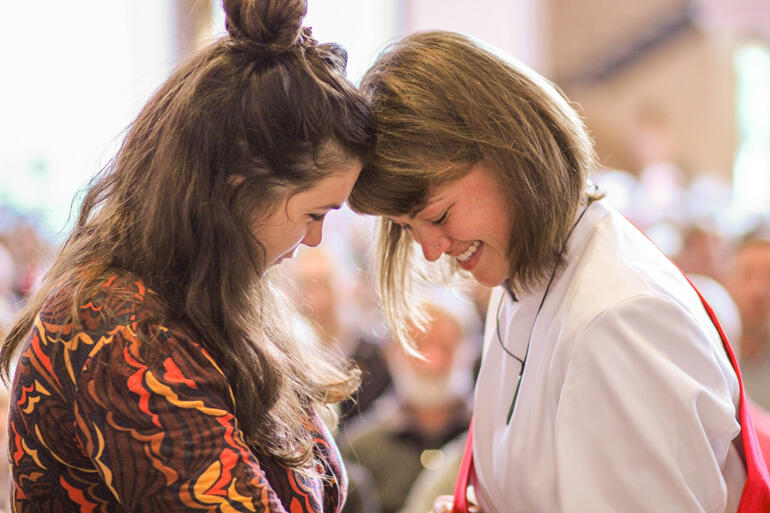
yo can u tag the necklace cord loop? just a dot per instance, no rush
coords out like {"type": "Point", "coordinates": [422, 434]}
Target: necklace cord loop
{"type": "Point", "coordinates": [534, 321]}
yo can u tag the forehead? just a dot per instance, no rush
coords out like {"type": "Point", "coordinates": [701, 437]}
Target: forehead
{"type": "Point", "coordinates": [442, 190]}
{"type": "Point", "coordinates": [434, 201]}
{"type": "Point", "coordinates": [404, 190]}
{"type": "Point", "coordinates": [337, 183]}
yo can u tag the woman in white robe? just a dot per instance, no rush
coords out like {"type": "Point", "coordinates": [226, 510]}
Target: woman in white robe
{"type": "Point", "coordinates": [604, 385]}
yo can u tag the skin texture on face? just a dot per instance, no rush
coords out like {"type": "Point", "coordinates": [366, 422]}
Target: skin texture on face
{"type": "Point", "coordinates": [468, 213]}
{"type": "Point", "coordinates": [299, 218]}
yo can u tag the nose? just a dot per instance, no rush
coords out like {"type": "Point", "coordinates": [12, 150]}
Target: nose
{"type": "Point", "coordinates": [313, 235]}
{"type": "Point", "coordinates": [432, 241]}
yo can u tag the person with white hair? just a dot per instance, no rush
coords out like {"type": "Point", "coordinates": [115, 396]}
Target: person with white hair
{"type": "Point", "coordinates": [428, 406]}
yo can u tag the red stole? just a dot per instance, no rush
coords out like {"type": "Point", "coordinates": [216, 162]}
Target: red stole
{"type": "Point", "coordinates": [756, 491]}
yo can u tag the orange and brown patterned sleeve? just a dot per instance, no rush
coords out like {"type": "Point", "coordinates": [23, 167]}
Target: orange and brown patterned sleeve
{"type": "Point", "coordinates": [162, 435]}
{"type": "Point", "coordinates": [100, 422]}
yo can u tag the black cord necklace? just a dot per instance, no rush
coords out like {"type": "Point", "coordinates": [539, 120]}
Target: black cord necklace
{"type": "Point", "coordinates": [532, 329]}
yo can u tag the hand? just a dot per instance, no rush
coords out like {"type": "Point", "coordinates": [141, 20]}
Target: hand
{"type": "Point", "coordinates": [443, 504]}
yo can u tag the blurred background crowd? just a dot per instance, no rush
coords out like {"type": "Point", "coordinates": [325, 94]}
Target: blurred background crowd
{"type": "Point", "coordinates": [675, 93]}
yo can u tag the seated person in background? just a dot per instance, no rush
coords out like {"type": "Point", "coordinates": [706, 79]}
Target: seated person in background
{"type": "Point", "coordinates": [703, 251]}
{"type": "Point", "coordinates": [427, 407]}
{"type": "Point", "coordinates": [435, 482]}
{"type": "Point", "coordinates": [749, 285]}
{"type": "Point", "coordinates": [328, 302]}
{"type": "Point", "coordinates": [702, 258]}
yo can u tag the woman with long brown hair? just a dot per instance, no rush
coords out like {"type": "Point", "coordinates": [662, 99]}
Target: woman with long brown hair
{"type": "Point", "coordinates": [155, 370]}
{"type": "Point", "coordinates": [604, 384]}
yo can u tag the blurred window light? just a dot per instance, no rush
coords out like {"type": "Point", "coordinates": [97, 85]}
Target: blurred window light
{"type": "Point", "coordinates": [72, 84]}
{"type": "Point", "coordinates": [751, 175]}
{"type": "Point", "coordinates": [362, 28]}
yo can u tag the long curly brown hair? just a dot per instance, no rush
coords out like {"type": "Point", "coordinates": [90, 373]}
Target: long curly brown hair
{"type": "Point", "coordinates": [261, 113]}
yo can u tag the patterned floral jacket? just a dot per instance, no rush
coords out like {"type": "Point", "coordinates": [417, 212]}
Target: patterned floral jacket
{"type": "Point", "coordinates": [100, 422]}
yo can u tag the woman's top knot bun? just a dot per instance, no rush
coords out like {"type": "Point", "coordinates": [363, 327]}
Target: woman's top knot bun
{"type": "Point", "coordinates": [267, 27]}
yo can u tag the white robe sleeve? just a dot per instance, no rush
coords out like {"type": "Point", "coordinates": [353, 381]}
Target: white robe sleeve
{"type": "Point", "coordinates": [646, 417]}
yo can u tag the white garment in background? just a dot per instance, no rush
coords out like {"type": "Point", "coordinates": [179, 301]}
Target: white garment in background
{"type": "Point", "coordinates": [627, 402]}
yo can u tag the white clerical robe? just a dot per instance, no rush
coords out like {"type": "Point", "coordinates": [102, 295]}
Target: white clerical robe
{"type": "Point", "coordinates": [627, 402]}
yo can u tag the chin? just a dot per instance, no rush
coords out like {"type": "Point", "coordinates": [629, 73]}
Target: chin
{"type": "Point", "coordinates": [490, 272]}
{"type": "Point", "coordinates": [489, 281]}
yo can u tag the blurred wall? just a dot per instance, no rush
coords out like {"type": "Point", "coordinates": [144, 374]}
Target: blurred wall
{"type": "Point", "coordinates": [625, 62]}
{"type": "Point", "coordinates": [75, 74]}
{"type": "Point", "coordinates": [516, 26]}
{"type": "Point", "coordinates": [192, 26]}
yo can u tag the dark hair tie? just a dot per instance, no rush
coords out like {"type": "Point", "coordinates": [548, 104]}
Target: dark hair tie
{"type": "Point", "coordinates": [260, 51]}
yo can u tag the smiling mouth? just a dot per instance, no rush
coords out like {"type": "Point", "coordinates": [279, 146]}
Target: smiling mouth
{"type": "Point", "coordinates": [466, 255]}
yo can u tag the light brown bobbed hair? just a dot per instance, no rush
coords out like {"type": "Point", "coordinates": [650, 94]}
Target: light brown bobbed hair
{"type": "Point", "coordinates": [443, 103]}
{"type": "Point", "coordinates": [260, 114]}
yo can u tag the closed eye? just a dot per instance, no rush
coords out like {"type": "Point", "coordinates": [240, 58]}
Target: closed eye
{"type": "Point", "coordinates": [317, 217]}
{"type": "Point", "coordinates": [442, 219]}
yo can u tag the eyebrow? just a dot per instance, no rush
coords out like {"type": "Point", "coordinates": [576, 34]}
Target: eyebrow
{"type": "Point", "coordinates": [436, 196]}
{"type": "Point", "coordinates": [333, 206]}
{"type": "Point", "coordinates": [427, 206]}
{"type": "Point", "coordinates": [419, 208]}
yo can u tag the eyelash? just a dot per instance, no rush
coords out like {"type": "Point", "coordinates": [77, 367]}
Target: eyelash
{"type": "Point", "coordinates": [442, 219]}
{"type": "Point", "coordinates": [317, 217]}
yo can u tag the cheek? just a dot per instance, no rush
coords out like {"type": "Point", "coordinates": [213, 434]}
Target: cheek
{"type": "Point", "coordinates": [492, 226]}
{"type": "Point", "coordinates": [505, 227]}
{"type": "Point", "coordinates": [496, 234]}
{"type": "Point", "coordinates": [292, 239]}
{"type": "Point", "coordinates": [280, 237]}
